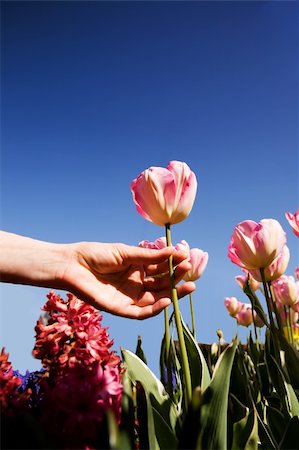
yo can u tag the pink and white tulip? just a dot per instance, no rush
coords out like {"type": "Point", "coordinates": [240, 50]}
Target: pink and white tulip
{"type": "Point", "coordinates": [255, 245]}
{"type": "Point", "coordinates": [242, 280]}
{"type": "Point", "coordinates": [199, 260]}
{"type": "Point", "coordinates": [233, 305]}
{"type": "Point", "coordinates": [156, 245]}
{"type": "Point", "coordinates": [286, 290]}
{"type": "Point", "coordinates": [293, 220]}
{"type": "Point", "coordinates": [246, 315]}
{"type": "Point", "coordinates": [276, 268]}
{"type": "Point", "coordinates": [165, 195]}
{"type": "Point", "coordinates": [297, 273]}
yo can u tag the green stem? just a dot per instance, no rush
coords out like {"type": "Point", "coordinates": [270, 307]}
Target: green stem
{"type": "Point", "coordinates": [192, 315]}
{"type": "Point", "coordinates": [178, 322]}
{"type": "Point", "coordinates": [167, 350]}
{"type": "Point", "coordinates": [273, 303]}
{"type": "Point", "coordinates": [268, 299]}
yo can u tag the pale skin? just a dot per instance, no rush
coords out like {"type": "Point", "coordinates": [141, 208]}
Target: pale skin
{"type": "Point", "coordinates": [124, 280]}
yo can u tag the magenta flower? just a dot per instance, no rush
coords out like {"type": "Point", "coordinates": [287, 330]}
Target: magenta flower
{"type": "Point", "coordinates": [75, 404]}
{"type": "Point", "coordinates": [297, 273]}
{"type": "Point", "coordinates": [165, 195]}
{"type": "Point", "coordinates": [199, 260]}
{"type": "Point", "coordinates": [293, 220]}
{"type": "Point", "coordinates": [276, 268]}
{"type": "Point", "coordinates": [255, 245]}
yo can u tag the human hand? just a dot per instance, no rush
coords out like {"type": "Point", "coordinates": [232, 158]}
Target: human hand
{"type": "Point", "coordinates": [124, 280]}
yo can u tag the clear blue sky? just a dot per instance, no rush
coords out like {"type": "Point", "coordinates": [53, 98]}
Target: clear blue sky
{"type": "Point", "coordinates": [95, 92]}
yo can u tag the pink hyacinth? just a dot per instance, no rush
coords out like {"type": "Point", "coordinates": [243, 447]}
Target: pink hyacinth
{"type": "Point", "coordinates": [9, 382]}
{"type": "Point", "coordinates": [276, 268]}
{"type": "Point", "coordinates": [75, 404]}
{"type": "Point", "coordinates": [72, 333]}
{"type": "Point", "coordinates": [255, 245]}
{"type": "Point", "coordinates": [293, 220]}
{"type": "Point", "coordinates": [165, 195]}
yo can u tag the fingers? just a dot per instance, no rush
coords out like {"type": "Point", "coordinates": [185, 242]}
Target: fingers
{"type": "Point", "coordinates": [146, 256]}
{"type": "Point", "coordinates": [160, 304]}
{"type": "Point", "coordinates": [159, 283]}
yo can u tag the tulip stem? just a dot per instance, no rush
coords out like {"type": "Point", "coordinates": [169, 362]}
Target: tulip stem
{"type": "Point", "coordinates": [167, 350]}
{"type": "Point", "coordinates": [268, 299]}
{"type": "Point", "coordinates": [192, 315]}
{"type": "Point", "coordinates": [178, 322]}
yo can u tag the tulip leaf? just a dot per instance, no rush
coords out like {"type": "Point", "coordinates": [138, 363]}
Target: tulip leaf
{"type": "Point", "coordinates": [138, 371]}
{"type": "Point", "coordinates": [277, 422]}
{"type": "Point", "coordinates": [139, 350]}
{"type": "Point", "coordinates": [256, 305]}
{"type": "Point", "coordinates": [291, 356]}
{"type": "Point", "coordinates": [291, 437]}
{"type": "Point", "coordinates": [214, 403]}
{"type": "Point", "coordinates": [245, 433]}
{"type": "Point", "coordinates": [200, 375]}
{"type": "Point", "coordinates": [118, 439]}
{"type": "Point", "coordinates": [146, 425]}
{"type": "Point", "coordinates": [127, 408]}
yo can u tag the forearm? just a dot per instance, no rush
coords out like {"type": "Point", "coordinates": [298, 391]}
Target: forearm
{"type": "Point", "coordinates": [28, 261]}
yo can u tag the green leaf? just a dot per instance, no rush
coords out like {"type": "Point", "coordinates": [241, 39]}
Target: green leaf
{"type": "Point", "coordinates": [160, 400]}
{"type": "Point", "coordinates": [146, 426]}
{"type": "Point", "coordinates": [200, 375]}
{"type": "Point", "coordinates": [256, 305]}
{"type": "Point", "coordinates": [291, 437]}
{"type": "Point", "coordinates": [277, 422]}
{"type": "Point", "coordinates": [139, 350]}
{"type": "Point", "coordinates": [214, 403]}
{"type": "Point", "coordinates": [118, 439]}
{"type": "Point", "coordinates": [245, 433]}
{"type": "Point", "coordinates": [128, 408]}
{"type": "Point", "coordinates": [291, 356]}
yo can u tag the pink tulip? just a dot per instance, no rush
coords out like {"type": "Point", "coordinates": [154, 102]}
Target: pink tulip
{"type": "Point", "coordinates": [246, 315]}
{"type": "Point", "coordinates": [165, 195]}
{"type": "Point", "coordinates": [232, 305]}
{"type": "Point", "coordinates": [286, 290]}
{"type": "Point", "coordinates": [183, 246]}
{"type": "Point", "coordinates": [255, 245]}
{"type": "Point", "coordinates": [242, 280]}
{"type": "Point", "coordinates": [276, 268]}
{"type": "Point", "coordinates": [199, 260]}
{"type": "Point", "coordinates": [293, 220]}
{"type": "Point", "coordinates": [292, 316]}
{"type": "Point", "coordinates": [156, 245]}
{"type": "Point", "coordinates": [297, 273]}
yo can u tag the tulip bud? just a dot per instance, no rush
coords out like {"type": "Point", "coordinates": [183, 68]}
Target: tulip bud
{"type": "Point", "coordinates": [165, 195]}
{"type": "Point", "coordinates": [286, 290]}
{"type": "Point", "coordinates": [232, 305]}
{"type": "Point", "coordinates": [198, 260]}
{"type": "Point", "coordinates": [293, 220]}
{"type": "Point", "coordinates": [242, 280]}
{"type": "Point", "coordinates": [245, 316]}
{"type": "Point", "coordinates": [156, 245]}
{"type": "Point", "coordinates": [255, 245]}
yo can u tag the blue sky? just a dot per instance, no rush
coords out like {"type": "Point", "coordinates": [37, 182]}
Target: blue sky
{"type": "Point", "coordinates": [95, 92]}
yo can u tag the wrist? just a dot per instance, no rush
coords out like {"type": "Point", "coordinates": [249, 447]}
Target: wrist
{"type": "Point", "coordinates": [28, 261]}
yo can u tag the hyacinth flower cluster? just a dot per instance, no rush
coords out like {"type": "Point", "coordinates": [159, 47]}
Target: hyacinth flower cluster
{"type": "Point", "coordinates": [80, 380]}
{"type": "Point", "coordinates": [260, 250]}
